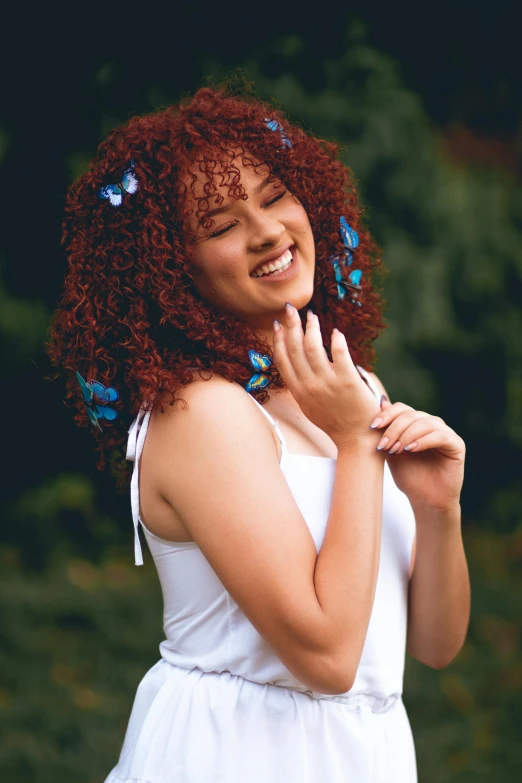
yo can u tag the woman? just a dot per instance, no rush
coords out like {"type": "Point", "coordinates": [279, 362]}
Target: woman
{"type": "Point", "coordinates": [216, 248]}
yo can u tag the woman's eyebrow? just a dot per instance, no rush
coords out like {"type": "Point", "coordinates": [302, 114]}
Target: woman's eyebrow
{"type": "Point", "coordinates": [219, 210]}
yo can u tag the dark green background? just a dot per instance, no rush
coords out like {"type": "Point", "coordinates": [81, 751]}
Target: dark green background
{"type": "Point", "coordinates": [428, 104]}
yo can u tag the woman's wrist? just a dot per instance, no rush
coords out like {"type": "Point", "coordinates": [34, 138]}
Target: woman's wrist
{"type": "Point", "coordinates": [363, 441]}
{"type": "Point", "coordinates": [446, 515]}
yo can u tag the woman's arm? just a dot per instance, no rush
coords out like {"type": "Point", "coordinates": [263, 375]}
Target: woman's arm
{"type": "Point", "coordinates": [215, 463]}
{"type": "Point", "coordinates": [382, 390]}
{"type": "Point", "coordinates": [439, 590]}
{"type": "Point", "coordinates": [439, 593]}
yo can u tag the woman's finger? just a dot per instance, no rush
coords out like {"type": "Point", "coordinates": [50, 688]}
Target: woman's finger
{"type": "Point", "coordinates": [423, 425]}
{"type": "Point", "coordinates": [282, 359]}
{"type": "Point", "coordinates": [400, 425]}
{"type": "Point", "coordinates": [342, 361]}
{"type": "Point", "coordinates": [445, 440]}
{"type": "Point", "coordinates": [295, 347]}
{"type": "Point", "coordinates": [314, 347]}
{"type": "Point", "coordinates": [387, 414]}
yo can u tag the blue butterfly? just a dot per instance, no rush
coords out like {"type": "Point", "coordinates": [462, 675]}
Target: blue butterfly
{"type": "Point", "coordinates": [275, 126]}
{"type": "Point", "coordinates": [128, 184]}
{"type": "Point", "coordinates": [261, 362]}
{"type": "Point", "coordinates": [349, 235]}
{"type": "Point", "coordinates": [350, 239]}
{"type": "Point", "coordinates": [94, 391]}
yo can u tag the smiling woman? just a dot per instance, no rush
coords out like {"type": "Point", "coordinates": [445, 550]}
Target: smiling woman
{"type": "Point", "coordinates": [256, 245]}
{"type": "Point", "coordinates": [204, 242]}
{"type": "Point", "coordinates": [159, 286]}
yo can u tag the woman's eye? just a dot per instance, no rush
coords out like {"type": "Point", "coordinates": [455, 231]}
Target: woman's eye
{"type": "Point", "coordinates": [277, 197]}
{"type": "Point", "coordinates": [223, 229]}
{"type": "Point", "coordinates": [218, 232]}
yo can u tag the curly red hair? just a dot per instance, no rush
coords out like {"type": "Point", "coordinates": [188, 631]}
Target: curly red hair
{"type": "Point", "coordinates": [130, 315]}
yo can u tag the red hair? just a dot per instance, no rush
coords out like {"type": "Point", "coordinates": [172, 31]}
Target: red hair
{"type": "Point", "coordinates": [130, 315]}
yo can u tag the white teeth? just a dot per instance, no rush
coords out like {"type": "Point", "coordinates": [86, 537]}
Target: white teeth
{"type": "Point", "coordinates": [274, 266]}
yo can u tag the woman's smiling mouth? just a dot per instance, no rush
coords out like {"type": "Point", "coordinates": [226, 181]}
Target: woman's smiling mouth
{"type": "Point", "coordinates": [276, 268]}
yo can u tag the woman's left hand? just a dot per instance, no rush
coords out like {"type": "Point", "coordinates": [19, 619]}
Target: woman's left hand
{"type": "Point", "coordinates": [431, 472]}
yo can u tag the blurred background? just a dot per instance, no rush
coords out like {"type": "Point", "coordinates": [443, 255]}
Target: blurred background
{"type": "Point", "coordinates": [429, 106]}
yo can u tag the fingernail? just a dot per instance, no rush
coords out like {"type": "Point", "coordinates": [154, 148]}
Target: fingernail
{"type": "Point", "coordinates": [376, 423]}
{"type": "Point", "coordinates": [309, 315]}
{"type": "Point", "coordinates": [289, 309]}
{"type": "Point", "coordinates": [383, 398]}
{"type": "Point", "coordinates": [411, 446]}
{"type": "Point", "coordinates": [277, 325]}
{"type": "Point", "coordinates": [383, 442]}
{"type": "Point", "coordinates": [395, 448]}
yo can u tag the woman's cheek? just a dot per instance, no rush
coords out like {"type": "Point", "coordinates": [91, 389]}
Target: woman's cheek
{"type": "Point", "coordinates": [296, 217]}
{"type": "Point", "coordinates": [225, 261]}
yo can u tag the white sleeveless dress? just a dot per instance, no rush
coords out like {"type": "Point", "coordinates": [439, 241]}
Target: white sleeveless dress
{"type": "Point", "coordinates": [220, 707]}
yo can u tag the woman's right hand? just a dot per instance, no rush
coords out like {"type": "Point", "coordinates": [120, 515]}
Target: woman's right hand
{"type": "Point", "coordinates": [331, 394]}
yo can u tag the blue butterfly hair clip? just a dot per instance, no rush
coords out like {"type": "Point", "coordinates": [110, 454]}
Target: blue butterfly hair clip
{"type": "Point", "coordinates": [259, 362]}
{"type": "Point", "coordinates": [93, 393]}
{"type": "Point", "coordinates": [350, 239]}
{"type": "Point", "coordinates": [128, 184]}
{"type": "Point", "coordinates": [276, 126]}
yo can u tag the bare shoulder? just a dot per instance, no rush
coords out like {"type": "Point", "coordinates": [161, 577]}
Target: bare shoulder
{"type": "Point", "coordinates": [209, 420]}
{"type": "Point", "coordinates": [207, 404]}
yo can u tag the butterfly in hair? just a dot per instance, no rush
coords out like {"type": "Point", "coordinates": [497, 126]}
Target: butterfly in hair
{"type": "Point", "coordinates": [94, 393]}
{"type": "Point", "coordinates": [349, 235]}
{"type": "Point", "coordinates": [350, 239]}
{"type": "Point", "coordinates": [260, 362]}
{"type": "Point", "coordinates": [274, 125]}
{"type": "Point", "coordinates": [128, 184]}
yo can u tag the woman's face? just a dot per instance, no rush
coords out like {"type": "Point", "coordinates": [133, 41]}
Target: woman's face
{"type": "Point", "coordinates": [269, 228]}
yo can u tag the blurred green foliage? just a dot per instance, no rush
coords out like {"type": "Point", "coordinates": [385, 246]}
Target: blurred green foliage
{"type": "Point", "coordinates": [77, 639]}
{"type": "Point", "coordinates": [79, 636]}
{"type": "Point", "coordinates": [80, 625]}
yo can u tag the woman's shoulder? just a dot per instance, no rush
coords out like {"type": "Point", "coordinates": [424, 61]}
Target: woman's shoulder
{"type": "Point", "coordinates": [206, 394]}
{"type": "Point", "coordinates": [207, 418]}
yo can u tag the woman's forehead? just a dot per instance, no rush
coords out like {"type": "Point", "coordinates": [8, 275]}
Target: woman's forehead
{"type": "Point", "coordinates": [207, 188]}
{"type": "Point", "coordinates": [220, 178]}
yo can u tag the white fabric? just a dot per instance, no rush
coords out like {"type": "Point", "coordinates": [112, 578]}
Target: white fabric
{"type": "Point", "coordinates": [219, 706]}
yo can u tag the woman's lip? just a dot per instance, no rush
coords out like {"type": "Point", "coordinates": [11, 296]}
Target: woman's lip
{"type": "Point", "coordinates": [289, 272]}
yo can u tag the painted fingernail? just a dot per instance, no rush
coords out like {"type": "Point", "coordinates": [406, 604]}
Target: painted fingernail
{"type": "Point", "coordinates": [289, 309]}
{"type": "Point", "coordinates": [383, 442]}
{"type": "Point", "coordinates": [376, 423]}
{"type": "Point", "coordinates": [277, 325]}
{"type": "Point", "coordinates": [411, 446]}
{"type": "Point", "coordinates": [383, 399]}
{"type": "Point", "coordinates": [395, 448]}
{"type": "Point", "coordinates": [309, 315]}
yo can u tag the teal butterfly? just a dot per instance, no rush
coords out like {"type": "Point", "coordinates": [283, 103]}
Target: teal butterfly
{"type": "Point", "coordinates": [350, 239]}
{"type": "Point", "coordinates": [259, 362]}
{"type": "Point", "coordinates": [349, 235]}
{"type": "Point", "coordinates": [274, 125]}
{"type": "Point", "coordinates": [128, 184]}
{"type": "Point", "coordinates": [94, 392]}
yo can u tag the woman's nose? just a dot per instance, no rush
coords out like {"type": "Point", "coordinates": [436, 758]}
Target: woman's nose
{"type": "Point", "coordinates": [265, 231]}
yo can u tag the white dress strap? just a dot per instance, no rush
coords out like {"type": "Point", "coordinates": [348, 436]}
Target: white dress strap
{"type": "Point", "coordinates": [137, 433]}
{"type": "Point", "coordinates": [274, 424]}
{"type": "Point", "coordinates": [371, 382]}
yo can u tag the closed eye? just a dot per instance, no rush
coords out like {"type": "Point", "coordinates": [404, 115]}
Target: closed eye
{"type": "Point", "coordinates": [277, 197]}
{"type": "Point", "coordinates": [223, 229]}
